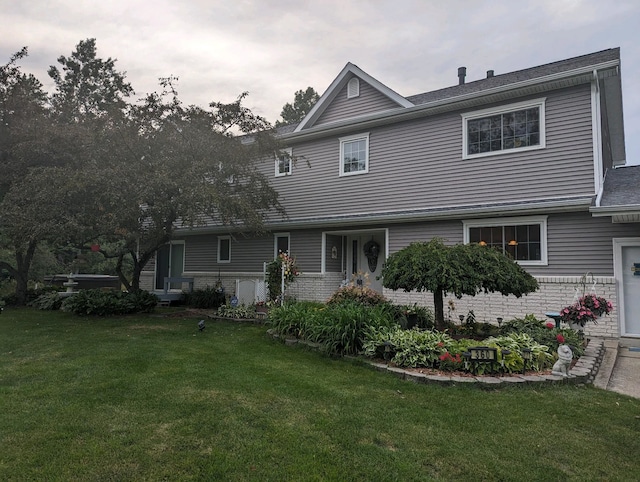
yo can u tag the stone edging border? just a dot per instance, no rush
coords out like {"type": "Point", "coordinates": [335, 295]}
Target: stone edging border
{"type": "Point", "coordinates": [583, 372]}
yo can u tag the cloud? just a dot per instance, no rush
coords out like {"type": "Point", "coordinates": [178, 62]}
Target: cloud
{"type": "Point", "coordinates": [271, 49]}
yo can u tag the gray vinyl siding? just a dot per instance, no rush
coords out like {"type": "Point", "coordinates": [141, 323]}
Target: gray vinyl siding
{"type": "Point", "coordinates": [402, 235]}
{"type": "Point", "coordinates": [306, 247]}
{"type": "Point", "coordinates": [249, 253]}
{"type": "Point", "coordinates": [418, 165]}
{"type": "Point", "coordinates": [370, 100]}
{"type": "Point", "coordinates": [578, 242]}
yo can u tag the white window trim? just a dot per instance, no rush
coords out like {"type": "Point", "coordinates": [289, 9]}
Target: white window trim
{"type": "Point", "coordinates": [287, 152]}
{"type": "Point", "coordinates": [224, 261]}
{"type": "Point", "coordinates": [275, 242]}
{"type": "Point", "coordinates": [353, 88]}
{"type": "Point", "coordinates": [515, 221]}
{"type": "Point", "coordinates": [343, 141]}
{"type": "Point", "coordinates": [467, 116]}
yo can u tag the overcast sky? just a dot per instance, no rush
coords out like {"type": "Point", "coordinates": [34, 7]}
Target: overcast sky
{"type": "Point", "coordinates": [272, 48]}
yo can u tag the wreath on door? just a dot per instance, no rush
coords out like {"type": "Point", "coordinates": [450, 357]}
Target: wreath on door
{"type": "Point", "coordinates": [372, 251]}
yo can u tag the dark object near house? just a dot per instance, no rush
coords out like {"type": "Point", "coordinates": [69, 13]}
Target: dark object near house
{"type": "Point", "coordinates": [201, 325]}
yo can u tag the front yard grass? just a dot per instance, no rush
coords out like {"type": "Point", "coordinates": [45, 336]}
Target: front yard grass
{"type": "Point", "coordinates": [151, 398]}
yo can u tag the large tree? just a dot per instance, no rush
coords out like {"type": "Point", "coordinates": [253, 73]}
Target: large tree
{"type": "Point", "coordinates": [49, 149]}
{"type": "Point", "coordinates": [183, 166]}
{"type": "Point", "coordinates": [91, 168]}
{"type": "Point", "coordinates": [88, 87]}
{"type": "Point", "coordinates": [303, 102]}
{"type": "Point", "coordinates": [25, 130]}
{"type": "Point", "coordinates": [462, 269]}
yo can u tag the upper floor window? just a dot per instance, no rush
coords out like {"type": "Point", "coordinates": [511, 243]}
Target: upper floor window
{"type": "Point", "coordinates": [353, 88]}
{"type": "Point", "coordinates": [504, 129]}
{"type": "Point", "coordinates": [354, 154]}
{"type": "Point", "coordinates": [283, 163]}
{"type": "Point", "coordinates": [523, 239]}
{"type": "Point", "coordinates": [224, 249]}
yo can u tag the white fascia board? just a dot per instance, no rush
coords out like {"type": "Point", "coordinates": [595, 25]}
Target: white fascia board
{"type": "Point", "coordinates": [597, 211]}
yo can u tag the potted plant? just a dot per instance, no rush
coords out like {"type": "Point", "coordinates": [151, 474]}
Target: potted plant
{"type": "Point", "coordinates": [587, 308]}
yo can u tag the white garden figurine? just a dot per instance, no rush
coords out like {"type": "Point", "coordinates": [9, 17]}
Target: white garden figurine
{"type": "Point", "coordinates": [561, 367]}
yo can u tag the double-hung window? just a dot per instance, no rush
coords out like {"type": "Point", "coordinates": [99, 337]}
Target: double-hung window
{"type": "Point", "coordinates": [283, 163]}
{"type": "Point", "coordinates": [354, 154]}
{"type": "Point", "coordinates": [224, 249]}
{"type": "Point", "coordinates": [510, 128]}
{"type": "Point", "coordinates": [523, 239]}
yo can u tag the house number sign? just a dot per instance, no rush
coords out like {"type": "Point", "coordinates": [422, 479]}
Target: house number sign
{"type": "Point", "coordinates": [483, 353]}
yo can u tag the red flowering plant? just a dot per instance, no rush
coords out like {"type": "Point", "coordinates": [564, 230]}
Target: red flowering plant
{"type": "Point", "coordinates": [587, 308]}
{"type": "Point", "coordinates": [450, 362]}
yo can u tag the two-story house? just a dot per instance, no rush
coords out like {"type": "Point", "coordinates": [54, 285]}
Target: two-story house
{"type": "Point", "coordinates": [516, 161]}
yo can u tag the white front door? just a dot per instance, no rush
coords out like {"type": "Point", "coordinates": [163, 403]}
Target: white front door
{"type": "Point", "coordinates": [360, 259]}
{"type": "Point", "coordinates": [627, 263]}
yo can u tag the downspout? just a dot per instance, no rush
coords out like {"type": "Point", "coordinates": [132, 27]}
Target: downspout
{"type": "Point", "coordinates": [600, 191]}
{"type": "Point", "coordinates": [596, 129]}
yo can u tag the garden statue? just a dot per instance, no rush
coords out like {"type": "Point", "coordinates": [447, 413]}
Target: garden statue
{"type": "Point", "coordinates": [561, 367]}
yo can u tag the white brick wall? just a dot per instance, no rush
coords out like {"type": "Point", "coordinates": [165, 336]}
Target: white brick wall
{"type": "Point", "coordinates": [555, 293]}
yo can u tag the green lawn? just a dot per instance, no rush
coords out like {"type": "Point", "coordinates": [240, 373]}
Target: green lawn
{"type": "Point", "coordinates": [151, 398]}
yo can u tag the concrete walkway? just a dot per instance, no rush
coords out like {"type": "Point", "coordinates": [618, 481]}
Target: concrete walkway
{"type": "Point", "coordinates": [620, 368]}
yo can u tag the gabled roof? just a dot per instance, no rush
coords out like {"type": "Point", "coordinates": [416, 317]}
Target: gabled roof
{"type": "Point", "coordinates": [564, 73]}
{"type": "Point", "coordinates": [560, 67]}
{"type": "Point", "coordinates": [620, 196]}
{"type": "Point", "coordinates": [336, 86]}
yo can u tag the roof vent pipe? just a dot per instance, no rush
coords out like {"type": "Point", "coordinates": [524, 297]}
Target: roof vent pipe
{"type": "Point", "coordinates": [489, 74]}
{"type": "Point", "coordinates": [462, 73]}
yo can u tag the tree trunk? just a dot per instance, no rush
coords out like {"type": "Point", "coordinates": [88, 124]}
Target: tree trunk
{"type": "Point", "coordinates": [438, 303]}
{"type": "Point", "coordinates": [21, 271]}
{"type": "Point", "coordinates": [123, 279]}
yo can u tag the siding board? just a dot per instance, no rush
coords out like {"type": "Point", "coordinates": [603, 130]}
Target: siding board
{"type": "Point", "coordinates": [420, 163]}
{"type": "Point", "coordinates": [370, 100]}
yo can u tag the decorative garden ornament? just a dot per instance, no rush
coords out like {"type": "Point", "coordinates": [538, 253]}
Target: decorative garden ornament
{"type": "Point", "coordinates": [561, 367]}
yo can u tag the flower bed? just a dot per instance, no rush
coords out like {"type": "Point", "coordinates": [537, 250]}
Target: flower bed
{"type": "Point", "coordinates": [351, 328]}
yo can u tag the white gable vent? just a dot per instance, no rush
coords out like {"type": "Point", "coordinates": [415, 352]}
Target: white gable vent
{"type": "Point", "coordinates": [353, 88]}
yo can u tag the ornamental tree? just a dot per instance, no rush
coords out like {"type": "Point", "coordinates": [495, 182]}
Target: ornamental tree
{"type": "Point", "coordinates": [462, 269]}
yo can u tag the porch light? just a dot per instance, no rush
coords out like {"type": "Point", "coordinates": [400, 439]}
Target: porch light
{"type": "Point", "coordinates": [513, 242]}
{"type": "Point", "coordinates": [482, 243]}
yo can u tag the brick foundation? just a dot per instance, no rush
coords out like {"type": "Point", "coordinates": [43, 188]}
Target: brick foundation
{"type": "Point", "coordinates": [555, 293]}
